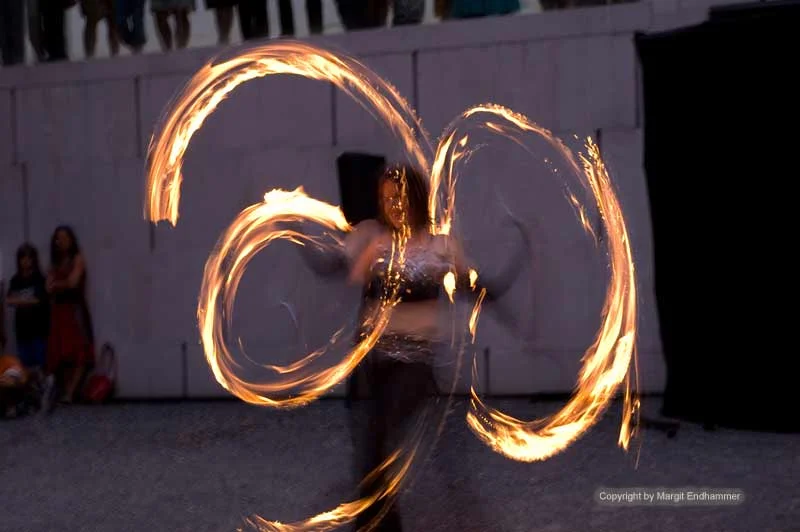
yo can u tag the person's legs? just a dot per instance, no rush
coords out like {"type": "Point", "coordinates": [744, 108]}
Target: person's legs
{"type": "Point", "coordinates": [314, 13]}
{"type": "Point", "coordinates": [5, 33]}
{"type": "Point", "coordinates": [376, 13]}
{"type": "Point", "coordinates": [35, 29]}
{"type": "Point", "coordinates": [12, 31]}
{"type": "Point", "coordinates": [17, 37]}
{"type": "Point", "coordinates": [38, 354]}
{"type": "Point", "coordinates": [55, 42]}
{"type": "Point", "coordinates": [111, 27]}
{"type": "Point", "coordinates": [253, 19]}
{"type": "Point", "coordinates": [400, 391]}
{"type": "Point", "coordinates": [260, 19]}
{"type": "Point", "coordinates": [73, 376]}
{"type": "Point", "coordinates": [347, 14]}
{"type": "Point", "coordinates": [374, 443]}
{"type": "Point", "coordinates": [122, 14]}
{"type": "Point", "coordinates": [89, 36]}
{"type": "Point", "coordinates": [136, 21]}
{"type": "Point", "coordinates": [183, 28]}
{"type": "Point", "coordinates": [224, 19]}
{"type": "Point", "coordinates": [408, 12]}
{"type": "Point", "coordinates": [164, 30]}
{"type": "Point", "coordinates": [245, 8]}
{"type": "Point", "coordinates": [287, 17]}
{"type": "Point", "coordinates": [32, 354]}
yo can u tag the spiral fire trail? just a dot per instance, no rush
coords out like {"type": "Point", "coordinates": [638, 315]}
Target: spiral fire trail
{"type": "Point", "coordinates": [606, 363]}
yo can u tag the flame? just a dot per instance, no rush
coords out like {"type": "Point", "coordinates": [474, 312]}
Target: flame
{"type": "Point", "coordinates": [214, 82]}
{"type": "Point", "coordinates": [449, 283]}
{"type": "Point", "coordinates": [253, 230]}
{"type": "Point", "coordinates": [473, 278]}
{"type": "Point", "coordinates": [259, 225]}
{"type": "Point", "coordinates": [606, 362]}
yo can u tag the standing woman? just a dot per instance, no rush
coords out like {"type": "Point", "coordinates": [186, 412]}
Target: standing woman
{"type": "Point", "coordinates": [399, 374]}
{"type": "Point", "coordinates": [71, 343]}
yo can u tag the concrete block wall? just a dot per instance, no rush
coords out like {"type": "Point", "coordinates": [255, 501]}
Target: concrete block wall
{"type": "Point", "coordinates": [72, 145]}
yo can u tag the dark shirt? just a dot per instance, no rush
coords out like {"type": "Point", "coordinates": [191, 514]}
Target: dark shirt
{"type": "Point", "coordinates": [31, 321]}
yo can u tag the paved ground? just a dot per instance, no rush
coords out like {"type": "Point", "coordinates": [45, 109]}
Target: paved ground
{"type": "Point", "coordinates": [205, 466]}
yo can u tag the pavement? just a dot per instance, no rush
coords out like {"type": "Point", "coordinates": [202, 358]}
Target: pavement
{"type": "Point", "coordinates": [206, 466]}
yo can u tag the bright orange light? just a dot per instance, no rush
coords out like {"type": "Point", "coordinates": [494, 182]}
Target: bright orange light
{"type": "Point", "coordinates": [606, 362]}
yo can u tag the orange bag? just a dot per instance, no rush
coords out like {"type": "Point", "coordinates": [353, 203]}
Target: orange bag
{"type": "Point", "coordinates": [100, 385]}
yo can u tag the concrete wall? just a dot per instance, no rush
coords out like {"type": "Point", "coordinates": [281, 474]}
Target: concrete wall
{"type": "Point", "coordinates": [73, 138]}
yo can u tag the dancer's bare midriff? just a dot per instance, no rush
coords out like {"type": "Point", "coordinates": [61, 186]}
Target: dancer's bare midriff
{"type": "Point", "coordinates": [420, 319]}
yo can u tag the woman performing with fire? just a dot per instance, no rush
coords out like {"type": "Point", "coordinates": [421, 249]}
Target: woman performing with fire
{"type": "Point", "coordinates": [399, 374]}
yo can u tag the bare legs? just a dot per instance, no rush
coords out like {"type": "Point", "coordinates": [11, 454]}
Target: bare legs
{"type": "Point", "coordinates": [90, 36]}
{"type": "Point", "coordinates": [72, 379]}
{"type": "Point", "coordinates": [182, 29]}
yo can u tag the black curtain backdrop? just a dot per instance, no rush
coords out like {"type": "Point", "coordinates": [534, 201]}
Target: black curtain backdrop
{"type": "Point", "coordinates": [358, 184]}
{"type": "Point", "coordinates": [721, 158]}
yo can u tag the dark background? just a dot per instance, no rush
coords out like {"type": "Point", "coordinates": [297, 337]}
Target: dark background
{"type": "Point", "coordinates": [721, 130]}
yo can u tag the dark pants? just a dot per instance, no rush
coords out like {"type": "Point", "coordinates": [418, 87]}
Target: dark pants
{"type": "Point", "coordinates": [130, 23]}
{"type": "Point", "coordinates": [360, 14]}
{"type": "Point", "coordinates": [12, 31]}
{"type": "Point", "coordinates": [397, 392]}
{"type": "Point", "coordinates": [254, 17]}
{"type": "Point", "coordinates": [53, 39]}
{"type": "Point", "coordinates": [408, 12]}
{"type": "Point", "coordinates": [32, 352]}
{"type": "Point", "coordinates": [313, 11]}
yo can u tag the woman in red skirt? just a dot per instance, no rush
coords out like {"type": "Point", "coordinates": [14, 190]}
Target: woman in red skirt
{"type": "Point", "coordinates": [70, 349]}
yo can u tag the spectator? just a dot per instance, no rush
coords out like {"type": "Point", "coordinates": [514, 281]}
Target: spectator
{"type": "Point", "coordinates": [12, 31]}
{"type": "Point", "coordinates": [26, 293]}
{"type": "Point", "coordinates": [254, 18]}
{"type": "Point", "coordinates": [223, 16]}
{"type": "Point", "coordinates": [180, 9]}
{"type": "Point", "coordinates": [95, 11]}
{"type": "Point", "coordinates": [460, 9]}
{"type": "Point", "coordinates": [36, 30]}
{"type": "Point", "coordinates": [130, 23]}
{"type": "Point", "coordinates": [408, 12]}
{"type": "Point", "coordinates": [313, 11]}
{"type": "Point", "coordinates": [70, 348]}
{"type": "Point", "coordinates": [359, 15]}
{"type": "Point", "coordinates": [54, 41]}
{"type": "Point", "coordinates": [2, 307]}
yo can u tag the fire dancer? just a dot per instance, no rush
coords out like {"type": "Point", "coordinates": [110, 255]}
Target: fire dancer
{"type": "Point", "coordinates": [399, 375]}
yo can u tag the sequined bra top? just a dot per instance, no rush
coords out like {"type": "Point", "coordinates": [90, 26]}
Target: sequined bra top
{"type": "Point", "coordinates": [420, 277]}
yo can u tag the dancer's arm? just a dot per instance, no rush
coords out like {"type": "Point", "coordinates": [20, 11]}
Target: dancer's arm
{"type": "Point", "coordinates": [73, 279]}
{"type": "Point", "coordinates": [496, 285]}
{"type": "Point", "coordinates": [334, 260]}
{"type": "Point", "coordinates": [326, 261]}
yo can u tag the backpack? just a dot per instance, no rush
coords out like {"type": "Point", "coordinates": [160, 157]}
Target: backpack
{"type": "Point", "coordinates": [100, 385]}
